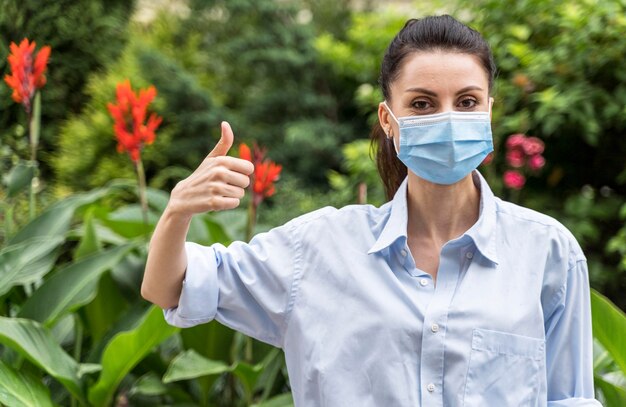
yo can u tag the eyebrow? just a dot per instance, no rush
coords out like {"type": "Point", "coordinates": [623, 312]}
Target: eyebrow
{"type": "Point", "coordinates": [431, 93]}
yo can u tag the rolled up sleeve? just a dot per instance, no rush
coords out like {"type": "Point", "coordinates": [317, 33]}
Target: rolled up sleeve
{"type": "Point", "coordinates": [569, 343]}
{"type": "Point", "coordinates": [199, 296]}
{"type": "Point", "coordinates": [246, 286]}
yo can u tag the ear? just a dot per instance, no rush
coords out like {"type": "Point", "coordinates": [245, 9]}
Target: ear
{"type": "Point", "coordinates": [383, 118]}
{"type": "Point", "coordinates": [491, 101]}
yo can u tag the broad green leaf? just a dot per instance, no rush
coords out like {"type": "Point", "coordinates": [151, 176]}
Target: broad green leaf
{"type": "Point", "coordinates": [125, 350]}
{"type": "Point", "coordinates": [36, 344]}
{"type": "Point", "coordinates": [283, 400]}
{"type": "Point", "coordinates": [20, 389]}
{"type": "Point", "coordinates": [71, 287]}
{"type": "Point", "coordinates": [609, 327]}
{"type": "Point", "coordinates": [127, 321]}
{"type": "Point", "coordinates": [106, 307]}
{"type": "Point", "coordinates": [89, 243]}
{"type": "Point", "coordinates": [211, 340]}
{"type": "Point", "coordinates": [614, 395]}
{"type": "Point", "coordinates": [157, 198]}
{"type": "Point", "coordinates": [248, 375]}
{"type": "Point", "coordinates": [128, 221]}
{"type": "Point", "coordinates": [20, 177]}
{"type": "Point", "coordinates": [55, 221]}
{"type": "Point", "coordinates": [273, 363]}
{"type": "Point", "coordinates": [190, 365]}
{"type": "Point", "coordinates": [27, 261]}
{"type": "Point", "coordinates": [148, 385]}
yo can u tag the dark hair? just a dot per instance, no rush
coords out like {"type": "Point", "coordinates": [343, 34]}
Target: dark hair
{"type": "Point", "coordinates": [424, 34]}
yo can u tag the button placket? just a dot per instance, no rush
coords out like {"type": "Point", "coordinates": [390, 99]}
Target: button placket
{"type": "Point", "coordinates": [435, 319]}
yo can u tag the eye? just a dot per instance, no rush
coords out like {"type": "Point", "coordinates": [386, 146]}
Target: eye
{"type": "Point", "coordinates": [421, 104]}
{"type": "Point", "coordinates": [468, 103]}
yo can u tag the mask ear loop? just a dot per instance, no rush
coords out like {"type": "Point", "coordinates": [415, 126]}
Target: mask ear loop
{"type": "Point", "coordinates": [390, 133]}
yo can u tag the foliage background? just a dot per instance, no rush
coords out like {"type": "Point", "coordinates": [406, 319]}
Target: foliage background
{"type": "Point", "coordinates": [300, 77]}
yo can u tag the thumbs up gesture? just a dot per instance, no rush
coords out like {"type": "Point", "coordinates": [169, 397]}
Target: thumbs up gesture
{"type": "Point", "coordinates": [217, 184]}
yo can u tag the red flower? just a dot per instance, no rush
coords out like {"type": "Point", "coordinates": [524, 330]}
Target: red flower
{"type": "Point", "coordinates": [266, 172]}
{"type": "Point", "coordinates": [514, 179]}
{"type": "Point", "coordinates": [27, 71]}
{"type": "Point", "coordinates": [129, 114]}
{"type": "Point", "coordinates": [536, 162]}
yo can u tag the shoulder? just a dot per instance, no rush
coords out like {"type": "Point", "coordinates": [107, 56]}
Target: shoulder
{"type": "Point", "coordinates": [346, 220]}
{"type": "Point", "coordinates": [544, 229]}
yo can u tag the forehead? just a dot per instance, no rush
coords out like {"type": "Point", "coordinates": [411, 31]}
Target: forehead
{"type": "Point", "coordinates": [440, 71]}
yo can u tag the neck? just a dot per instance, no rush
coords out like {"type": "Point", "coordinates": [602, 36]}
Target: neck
{"type": "Point", "coordinates": [440, 213]}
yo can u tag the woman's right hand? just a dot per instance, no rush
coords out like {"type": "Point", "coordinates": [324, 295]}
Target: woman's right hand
{"type": "Point", "coordinates": [217, 184]}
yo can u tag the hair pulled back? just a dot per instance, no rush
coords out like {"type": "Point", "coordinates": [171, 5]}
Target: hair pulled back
{"type": "Point", "coordinates": [434, 33]}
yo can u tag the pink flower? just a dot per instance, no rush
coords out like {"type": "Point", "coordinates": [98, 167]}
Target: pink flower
{"type": "Point", "coordinates": [513, 179]}
{"type": "Point", "coordinates": [515, 140]}
{"type": "Point", "coordinates": [515, 158]}
{"type": "Point", "coordinates": [536, 162]}
{"type": "Point", "coordinates": [533, 146]}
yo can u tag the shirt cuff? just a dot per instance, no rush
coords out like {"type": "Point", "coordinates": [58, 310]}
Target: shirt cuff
{"type": "Point", "coordinates": [199, 295]}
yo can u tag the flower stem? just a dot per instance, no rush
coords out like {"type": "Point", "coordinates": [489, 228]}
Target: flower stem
{"type": "Point", "coordinates": [252, 210]}
{"type": "Point", "coordinates": [141, 177]}
{"type": "Point", "coordinates": [34, 125]}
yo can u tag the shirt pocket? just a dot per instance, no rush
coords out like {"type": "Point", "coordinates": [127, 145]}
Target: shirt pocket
{"type": "Point", "coordinates": [504, 370]}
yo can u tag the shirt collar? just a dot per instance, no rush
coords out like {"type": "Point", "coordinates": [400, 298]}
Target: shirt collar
{"type": "Point", "coordinates": [482, 233]}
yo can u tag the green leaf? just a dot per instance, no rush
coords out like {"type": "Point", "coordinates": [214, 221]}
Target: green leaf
{"type": "Point", "coordinates": [20, 177]}
{"type": "Point", "coordinates": [105, 309]}
{"type": "Point", "coordinates": [614, 395]}
{"type": "Point", "coordinates": [89, 243]}
{"type": "Point", "coordinates": [609, 327]}
{"type": "Point", "coordinates": [190, 365]}
{"type": "Point", "coordinates": [248, 375]}
{"type": "Point", "coordinates": [27, 261]}
{"type": "Point", "coordinates": [283, 400]}
{"type": "Point", "coordinates": [71, 287]}
{"type": "Point", "coordinates": [127, 221]}
{"type": "Point", "coordinates": [36, 344]}
{"type": "Point", "coordinates": [148, 385]}
{"type": "Point", "coordinates": [19, 389]}
{"type": "Point", "coordinates": [55, 221]}
{"type": "Point", "coordinates": [125, 350]}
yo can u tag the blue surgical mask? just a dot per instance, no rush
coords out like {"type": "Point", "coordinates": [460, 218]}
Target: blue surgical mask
{"type": "Point", "coordinates": [444, 148]}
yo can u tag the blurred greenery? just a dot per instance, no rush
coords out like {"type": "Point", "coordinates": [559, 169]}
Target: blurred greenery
{"type": "Point", "coordinates": [299, 77]}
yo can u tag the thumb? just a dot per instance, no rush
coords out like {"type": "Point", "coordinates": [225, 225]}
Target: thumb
{"type": "Point", "coordinates": [225, 143]}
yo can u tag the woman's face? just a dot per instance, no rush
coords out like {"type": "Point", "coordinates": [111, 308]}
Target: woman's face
{"type": "Point", "coordinates": [436, 82]}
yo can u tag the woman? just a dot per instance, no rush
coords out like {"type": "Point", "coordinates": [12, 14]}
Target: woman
{"type": "Point", "coordinates": [444, 296]}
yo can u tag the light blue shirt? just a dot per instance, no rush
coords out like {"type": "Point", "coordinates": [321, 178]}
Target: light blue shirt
{"type": "Point", "coordinates": [507, 323]}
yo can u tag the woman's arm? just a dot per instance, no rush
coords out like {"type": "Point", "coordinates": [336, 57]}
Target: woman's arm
{"type": "Point", "coordinates": [569, 340]}
{"type": "Point", "coordinates": [217, 184]}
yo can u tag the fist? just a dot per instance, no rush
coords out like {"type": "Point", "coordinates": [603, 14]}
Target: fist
{"type": "Point", "coordinates": [217, 184]}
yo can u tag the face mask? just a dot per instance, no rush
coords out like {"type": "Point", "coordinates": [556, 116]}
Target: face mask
{"type": "Point", "coordinates": [443, 148]}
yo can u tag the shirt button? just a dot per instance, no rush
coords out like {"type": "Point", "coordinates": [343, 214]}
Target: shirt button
{"type": "Point", "coordinates": [403, 253]}
{"type": "Point", "coordinates": [430, 387]}
{"type": "Point", "coordinates": [424, 282]}
{"type": "Point", "coordinates": [434, 328]}
{"type": "Point", "coordinates": [469, 255]}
